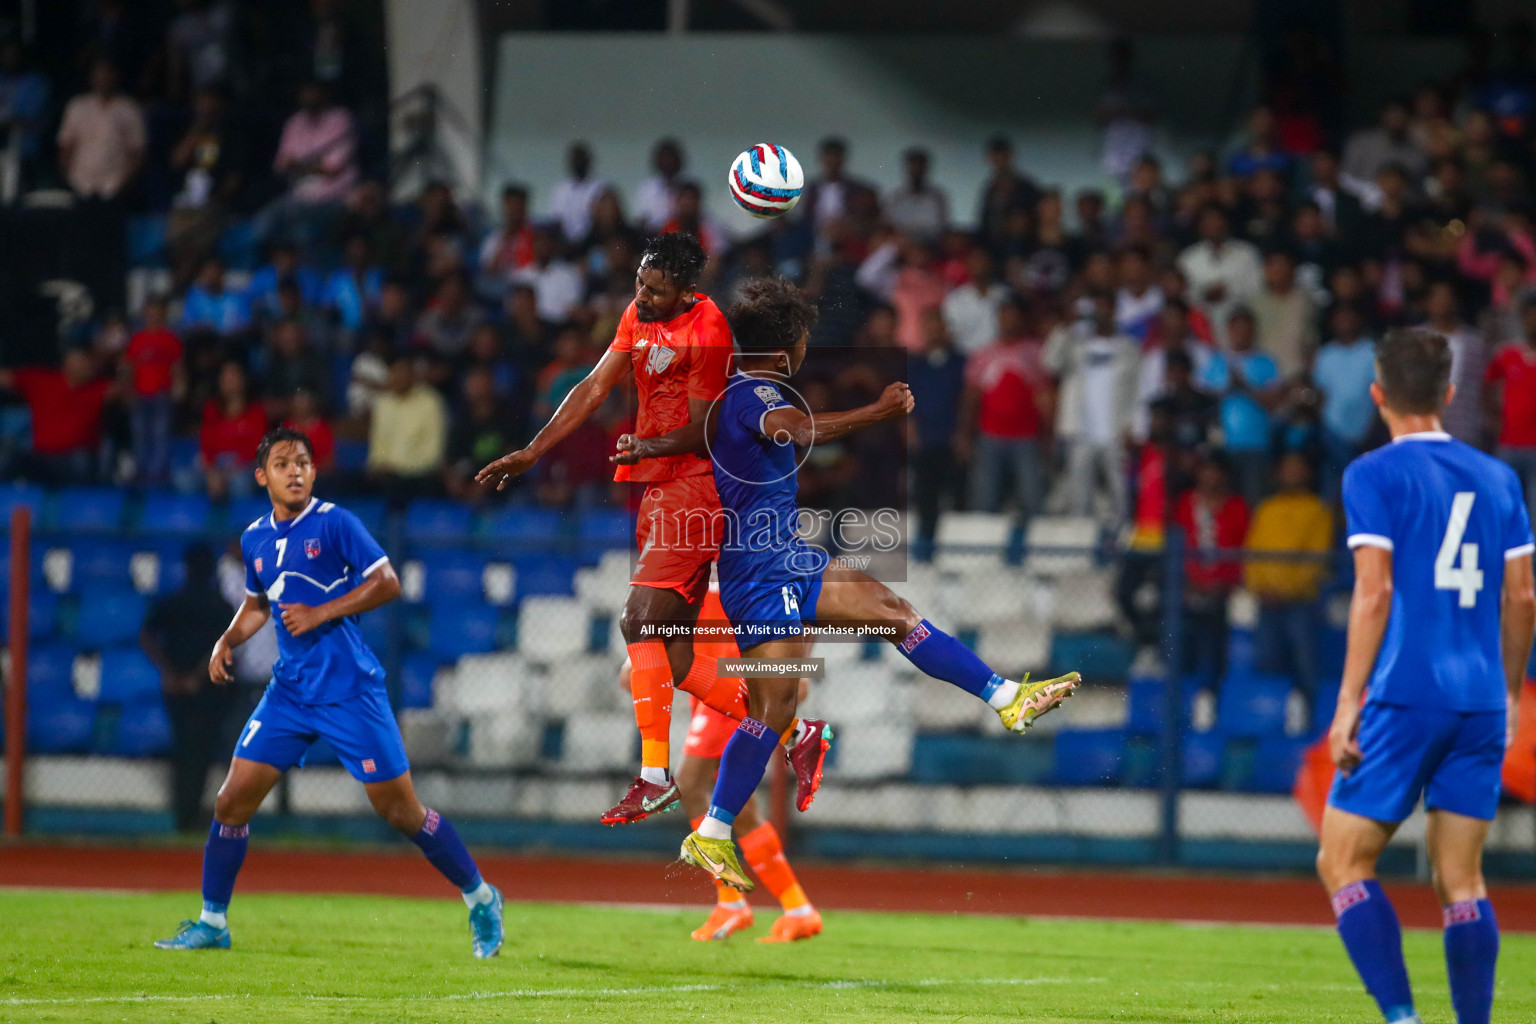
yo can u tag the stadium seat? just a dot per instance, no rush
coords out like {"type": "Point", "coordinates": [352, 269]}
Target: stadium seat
{"type": "Point", "coordinates": [541, 575]}
{"type": "Point", "coordinates": [1018, 647]}
{"type": "Point", "coordinates": [437, 522]}
{"type": "Point", "coordinates": [159, 567]}
{"type": "Point", "coordinates": [351, 456]}
{"type": "Point", "coordinates": [456, 630]}
{"type": "Point", "coordinates": [873, 750]}
{"type": "Point", "coordinates": [1240, 651]}
{"type": "Point", "coordinates": [89, 509]}
{"type": "Point", "coordinates": [380, 629]}
{"type": "Point", "coordinates": [63, 726]}
{"type": "Point", "coordinates": [1323, 707]}
{"type": "Point", "coordinates": [453, 576]}
{"type": "Point", "coordinates": [522, 528]}
{"type": "Point", "coordinates": [1060, 545]}
{"type": "Point", "coordinates": [128, 677]}
{"type": "Point", "coordinates": [174, 513]}
{"type": "Point", "coordinates": [971, 539]}
{"type": "Point", "coordinates": [245, 511]}
{"type": "Point", "coordinates": [1201, 768]}
{"type": "Point", "coordinates": [1145, 700]}
{"type": "Point", "coordinates": [239, 247]}
{"type": "Point", "coordinates": [374, 514]}
{"type": "Point", "coordinates": [551, 628]}
{"type": "Point", "coordinates": [143, 730]}
{"type": "Point", "coordinates": [1253, 705]}
{"type": "Point", "coordinates": [95, 564]}
{"type": "Point", "coordinates": [109, 617]}
{"type": "Point", "coordinates": [13, 496]}
{"type": "Point", "coordinates": [42, 614]}
{"type": "Point", "coordinates": [416, 674]}
{"type": "Point", "coordinates": [146, 240]}
{"type": "Point", "coordinates": [606, 529]}
{"type": "Point", "coordinates": [1089, 757]}
{"type": "Point", "coordinates": [1101, 655]}
{"type": "Point", "coordinates": [50, 672]}
{"type": "Point", "coordinates": [969, 760]}
{"type": "Point", "coordinates": [1278, 759]}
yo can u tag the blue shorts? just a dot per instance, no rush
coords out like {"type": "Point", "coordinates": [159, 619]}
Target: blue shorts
{"type": "Point", "coordinates": [762, 611]}
{"type": "Point", "coordinates": [1453, 759]}
{"type": "Point", "coordinates": [362, 730]}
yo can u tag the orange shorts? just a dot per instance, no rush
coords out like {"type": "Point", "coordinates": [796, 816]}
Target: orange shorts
{"type": "Point", "coordinates": [677, 533]}
{"type": "Point", "coordinates": [708, 732]}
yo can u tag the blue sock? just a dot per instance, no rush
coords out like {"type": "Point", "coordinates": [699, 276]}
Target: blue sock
{"type": "Point", "coordinates": [943, 657]}
{"type": "Point", "coordinates": [445, 851]}
{"type": "Point", "coordinates": [1374, 939]}
{"type": "Point", "coordinates": [742, 765]}
{"type": "Point", "coordinates": [1471, 951]}
{"type": "Point", "coordinates": [222, 858]}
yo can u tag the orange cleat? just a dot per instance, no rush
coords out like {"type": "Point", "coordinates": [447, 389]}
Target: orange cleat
{"type": "Point", "coordinates": [792, 927]}
{"type": "Point", "coordinates": [724, 922]}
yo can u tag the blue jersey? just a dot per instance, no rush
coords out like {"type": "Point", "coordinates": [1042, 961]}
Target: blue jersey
{"type": "Point", "coordinates": [757, 478]}
{"type": "Point", "coordinates": [315, 557]}
{"type": "Point", "coordinates": [1451, 516]}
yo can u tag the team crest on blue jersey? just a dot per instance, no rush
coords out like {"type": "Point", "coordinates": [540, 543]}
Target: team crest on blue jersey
{"type": "Point", "coordinates": [768, 393]}
{"type": "Point", "coordinates": [312, 547]}
{"type": "Point", "coordinates": [659, 358]}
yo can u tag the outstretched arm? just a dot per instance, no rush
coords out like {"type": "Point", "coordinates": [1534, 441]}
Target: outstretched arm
{"type": "Point", "coordinates": [579, 403]}
{"type": "Point", "coordinates": [805, 429]}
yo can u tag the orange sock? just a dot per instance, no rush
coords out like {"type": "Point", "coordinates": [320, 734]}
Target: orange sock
{"type": "Point", "coordinates": [727, 696]}
{"type": "Point", "coordinates": [723, 893]}
{"type": "Point", "coordinates": [765, 855]}
{"type": "Point", "coordinates": [650, 684]}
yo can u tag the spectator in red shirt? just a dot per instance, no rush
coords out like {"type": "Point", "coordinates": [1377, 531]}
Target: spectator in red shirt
{"type": "Point", "coordinates": [1511, 392]}
{"type": "Point", "coordinates": [1006, 388]}
{"type": "Point", "coordinates": [1214, 521]}
{"type": "Point", "coordinates": [152, 363]}
{"type": "Point", "coordinates": [66, 406]}
{"type": "Point", "coordinates": [232, 427]}
{"type": "Point", "coordinates": [304, 416]}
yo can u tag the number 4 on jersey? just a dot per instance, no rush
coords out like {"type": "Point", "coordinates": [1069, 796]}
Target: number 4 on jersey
{"type": "Point", "coordinates": [1466, 577]}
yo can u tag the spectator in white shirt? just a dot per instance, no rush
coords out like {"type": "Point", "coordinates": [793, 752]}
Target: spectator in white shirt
{"type": "Point", "coordinates": [970, 311]}
{"type": "Point", "coordinates": [1138, 301]}
{"type": "Point", "coordinates": [1371, 150]}
{"type": "Point", "coordinates": [654, 199]}
{"type": "Point", "coordinates": [1098, 365]}
{"type": "Point", "coordinates": [916, 208]}
{"type": "Point", "coordinates": [571, 201]}
{"type": "Point", "coordinates": [558, 286]}
{"type": "Point", "coordinates": [1223, 272]}
{"type": "Point", "coordinates": [102, 139]}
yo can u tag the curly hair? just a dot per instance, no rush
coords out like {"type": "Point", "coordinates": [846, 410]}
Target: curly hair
{"type": "Point", "coordinates": [677, 255]}
{"type": "Point", "coordinates": [770, 316]}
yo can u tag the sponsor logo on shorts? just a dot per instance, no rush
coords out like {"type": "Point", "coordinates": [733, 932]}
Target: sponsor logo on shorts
{"type": "Point", "coordinates": [1464, 912]}
{"type": "Point", "coordinates": [753, 726]}
{"type": "Point", "coordinates": [430, 825]}
{"type": "Point", "coordinates": [368, 766]}
{"type": "Point", "coordinates": [917, 636]}
{"type": "Point", "coordinates": [312, 547]}
{"type": "Point", "coordinates": [1351, 894]}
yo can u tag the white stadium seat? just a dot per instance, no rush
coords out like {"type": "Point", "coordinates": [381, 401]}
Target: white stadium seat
{"type": "Point", "coordinates": [1077, 532]}
{"type": "Point", "coordinates": [551, 628]}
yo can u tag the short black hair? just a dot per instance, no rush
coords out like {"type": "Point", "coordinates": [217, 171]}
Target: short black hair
{"type": "Point", "coordinates": [678, 255]}
{"type": "Point", "coordinates": [1178, 359]}
{"type": "Point", "coordinates": [770, 316]}
{"type": "Point", "coordinates": [280, 435]}
{"type": "Point", "coordinates": [1413, 367]}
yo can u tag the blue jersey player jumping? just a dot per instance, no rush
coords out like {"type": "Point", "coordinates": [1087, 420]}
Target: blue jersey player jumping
{"type": "Point", "coordinates": [320, 566]}
{"type": "Point", "coordinates": [1440, 628]}
{"type": "Point", "coordinates": [771, 581]}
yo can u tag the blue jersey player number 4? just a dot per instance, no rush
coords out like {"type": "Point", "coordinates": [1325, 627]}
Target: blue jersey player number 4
{"type": "Point", "coordinates": [1440, 629]}
{"type": "Point", "coordinates": [317, 564]}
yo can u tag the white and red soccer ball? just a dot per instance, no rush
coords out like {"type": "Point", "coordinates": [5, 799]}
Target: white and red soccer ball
{"type": "Point", "coordinates": [766, 180]}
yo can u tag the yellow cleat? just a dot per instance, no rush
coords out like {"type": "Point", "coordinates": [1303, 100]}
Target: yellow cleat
{"type": "Point", "coordinates": [723, 922]}
{"type": "Point", "coordinates": [1035, 699]}
{"type": "Point", "coordinates": [718, 857]}
{"type": "Point", "coordinates": [793, 927]}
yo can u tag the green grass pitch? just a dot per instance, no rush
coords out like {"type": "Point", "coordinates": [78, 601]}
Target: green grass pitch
{"type": "Point", "coordinates": [85, 957]}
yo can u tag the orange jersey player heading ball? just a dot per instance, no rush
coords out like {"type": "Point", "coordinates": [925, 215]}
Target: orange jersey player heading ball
{"type": "Point", "coordinates": [678, 345]}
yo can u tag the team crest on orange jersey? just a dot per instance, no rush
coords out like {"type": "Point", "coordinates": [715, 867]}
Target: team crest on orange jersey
{"type": "Point", "coordinates": [659, 358]}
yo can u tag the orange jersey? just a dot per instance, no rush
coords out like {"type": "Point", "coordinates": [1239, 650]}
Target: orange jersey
{"type": "Point", "coordinates": [686, 357]}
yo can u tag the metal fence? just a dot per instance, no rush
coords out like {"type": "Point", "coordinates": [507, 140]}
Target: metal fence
{"type": "Point", "coordinates": [503, 661]}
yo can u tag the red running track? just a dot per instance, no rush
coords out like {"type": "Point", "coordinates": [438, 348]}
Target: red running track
{"type": "Point", "coordinates": [1022, 891]}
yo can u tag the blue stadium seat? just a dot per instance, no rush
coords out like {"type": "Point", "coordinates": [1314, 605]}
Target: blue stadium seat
{"type": "Point", "coordinates": [456, 630]}
{"type": "Point", "coordinates": [969, 760]}
{"type": "Point", "coordinates": [437, 522]}
{"type": "Point", "coordinates": [1252, 705]}
{"type": "Point", "coordinates": [351, 456]}
{"type": "Point", "coordinates": [1145, 698]}
{"type": "Point", "coordinates": [143, 730]}
{"type": "Point", "coordinates": [42, 613]}
{"type": "Point", "coordinates": [50, 673]}
{"type": "Point", "coordinates": [109, 617]}
{"type": "Point", "coordinates": [539, 575]}
{"type": "Point", "coordinates": [1101, 655]}
{"type": "Point", "coordinates": [37, 552]}
{"type": "Point", "coordinates": [146, 240]}
{"type": "Point", "coordinates": [89, 508]}
{"type": "Point", "coordinates": [1278, 759]}
{"type": "Point", "coordinates": [245, 511]}
{"type": "Point", "coordinates": [1089, 757]}
{"type": "Point", "coordinates": [173, 568]}
{"type": "Point", "coordinates": [606, 528]}
{"type": "Point", "coordinates": [453, 577]}
{"type": "Point", "coordinates": [1323, 707]}
{"type": "Point", "coordinates": [184, 451]}
{"type": "Point", "coordinates": [63, 726]}
{"type": "Point", "coordinates": [1240, 650]}
{"type": "Point", "coordinates": [416, 673]}
{"type": "Point", "coordinates": [374, 513]}
{"type": "Point", "coordinates": [239, 247]}
{"type": "Point", "coordinates": [128, 677]}
{"type": "Point", "coordinates": [1202, 759]}
{"type": "Point", "coordinates": [16, 426]}
{"type": "Point", "coordinates": [377, 628]}
{"type": "Point", "coordinates": [100, 563]}
{"type": "Point", "coordinates": [175, 513]}
{"type": "Point", "coordinates": [525, 528]}
{"type": "Point", "coordinates": [14, 495]}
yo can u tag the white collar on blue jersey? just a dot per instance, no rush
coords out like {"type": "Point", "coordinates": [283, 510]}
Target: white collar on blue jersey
{"type": "Point", "coordinates": [291, 523]}
{"type": "Point", "coordinates": [1422, 435]}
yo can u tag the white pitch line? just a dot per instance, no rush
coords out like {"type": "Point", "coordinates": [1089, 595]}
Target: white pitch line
{"type": "Point", "coordinates": [555, 993]}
